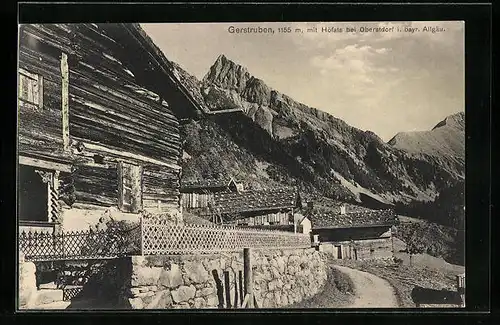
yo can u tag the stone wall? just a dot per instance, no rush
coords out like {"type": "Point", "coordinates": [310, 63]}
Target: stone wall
{"type": "Point", "coordinates": [281, 278]}
{"type": "Point", "coordinates": [27, 283]}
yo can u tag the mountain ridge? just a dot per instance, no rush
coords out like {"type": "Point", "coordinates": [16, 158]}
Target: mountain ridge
{"type": "Point", "coordinates": [446, 139]}
{"type": "Point", "coordinates": [327, 154]}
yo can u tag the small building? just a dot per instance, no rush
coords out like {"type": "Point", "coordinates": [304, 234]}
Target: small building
{"type": "Point", "coordinates": [197, 195]}
{"type": "Point", "coordinates": [269, 207]}
{"type": "Point", "coordinates": [355, 235]}
{"type": "Point", "coordinates": [98, 125]}
{"type": "Point", "coordinates": [302, 223]}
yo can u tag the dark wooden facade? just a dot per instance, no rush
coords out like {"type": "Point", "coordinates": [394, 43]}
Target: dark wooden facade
{"type": "Point", "coordinates": [355, 235]}
{"type": "Point", "coordinates": [88, 126]}
{"type": "Point", "coordinates": [258, 207]}
{"type": "Point", "coordinates": [198, 195]}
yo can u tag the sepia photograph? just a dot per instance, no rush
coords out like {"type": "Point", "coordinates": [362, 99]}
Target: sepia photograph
{"type": "Point", "coordinates": [265, 165]}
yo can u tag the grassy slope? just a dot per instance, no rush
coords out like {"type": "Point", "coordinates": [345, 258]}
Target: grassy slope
{"type": "Point", "coordinates": [439, 241]}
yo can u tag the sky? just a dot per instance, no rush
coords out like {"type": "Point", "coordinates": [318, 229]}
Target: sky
{"type": "Point", "coordinates": [400, 78]}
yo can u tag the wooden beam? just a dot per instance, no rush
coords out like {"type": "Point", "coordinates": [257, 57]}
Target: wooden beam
{"type": "Point", "coordinates": [40, 92]}
{"type": "Point", "coordinates": [248, 275]}
{"type": "Point", "coordinates": [124, 154]}
{"type": "Point", "coordinates": [240, 278]}
{"type": "Point", "coordinates": [23, 160]}
{"type": "Point", "coordinates": [227, 289]}
{"type": "Point", "coordinates": [65, 100]}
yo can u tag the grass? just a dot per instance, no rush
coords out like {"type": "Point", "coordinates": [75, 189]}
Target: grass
{"type": "Point", "coordinates": [338, 291]}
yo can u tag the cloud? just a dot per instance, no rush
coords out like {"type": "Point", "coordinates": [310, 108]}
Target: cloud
{"type": "Point", "coordinates": [356, 62]}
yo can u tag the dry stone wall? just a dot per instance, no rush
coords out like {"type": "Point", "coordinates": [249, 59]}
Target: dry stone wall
{"type": "Point", "coordinates": [281, 278]}
{"type": "Point", "coordinates": [27, 283]}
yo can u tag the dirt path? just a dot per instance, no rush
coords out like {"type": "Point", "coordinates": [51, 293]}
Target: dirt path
{"type": "Point", "coordinates": [371, 291]}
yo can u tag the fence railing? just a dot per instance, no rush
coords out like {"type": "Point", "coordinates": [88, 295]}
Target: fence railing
{"type": "Point", "coordinates": [43, 246]}
{"type": "Point", "coordinates": [159, 237]}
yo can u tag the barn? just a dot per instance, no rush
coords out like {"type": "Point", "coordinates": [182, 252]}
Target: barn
{"type": "Point", "coordinates": [272, 208]}
{"type": "Point", "coordinates": [98, 125]}
{"type": "Point", "coordinates": [362, 234]}
{"type": "Point", "coordinates": [197, 195]}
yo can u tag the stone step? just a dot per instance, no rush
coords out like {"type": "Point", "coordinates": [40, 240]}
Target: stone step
{"type": "Point", "coordinates": [53, 305]}
{"type": "Point", "coordinates": [47, 296]}
{"type": "Point", "coordinates": [49, 285]}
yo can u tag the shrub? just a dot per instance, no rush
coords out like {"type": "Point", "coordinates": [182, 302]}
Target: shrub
{"type": "Point", "coordinates": [342, 281]}
{"type": "Point", "coordinates": [398, 261]}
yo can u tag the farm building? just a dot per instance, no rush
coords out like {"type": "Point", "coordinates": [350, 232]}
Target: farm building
{"type": "Point", "coordinates": [197, 195]}
{"type": "Point", "coordinates": [269, 207]}
{"type": "Point", "coordinates": [302, 223]}
{"type": "Point", "coordinates": [354, 235]}
{"type": "Point", "coordinates": [98, 125]}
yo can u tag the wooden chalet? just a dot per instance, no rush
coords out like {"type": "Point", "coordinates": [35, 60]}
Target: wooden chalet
{"type": "Point", "coordinates": [98, 124]}
{"type": "Point", "coordinates": [362, 234]}
{"type": "Point", "coordinates": [197, 195]}
{"type": "Point", "coordinates": [258, 207]}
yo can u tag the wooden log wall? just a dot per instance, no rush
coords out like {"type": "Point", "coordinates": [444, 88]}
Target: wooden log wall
{"type": "Point", "coordinates": [106, 108]}
{"type": "Point", "coordinates": [40, 130]}
{"type": "Point", "coordinates": [280, 218]}
{"type": "Point", "coordinates": [96, 185]}
{"type": "Point", "coordinates": [160, 188]}
{"type": "Point", "coordinates": [196, 200]}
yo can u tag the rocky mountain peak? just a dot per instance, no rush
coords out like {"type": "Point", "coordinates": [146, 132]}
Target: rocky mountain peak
{"type": "Point", "coordinates": [227, 74]}
{"type": "Point", "coordinates": [456, 120]}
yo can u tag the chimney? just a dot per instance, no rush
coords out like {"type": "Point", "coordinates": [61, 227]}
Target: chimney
{"type": "Point", "coordinates": [342, 209]}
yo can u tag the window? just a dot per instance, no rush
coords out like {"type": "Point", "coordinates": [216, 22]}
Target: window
{"type": "Point", "coordinates": [38, 194]}
{"type": "Point", "coordinates": [30, 89]}
{"type": "Point", "coordinates": [130, 187]}
{"type": "Point", "coordinates": [32, 195]}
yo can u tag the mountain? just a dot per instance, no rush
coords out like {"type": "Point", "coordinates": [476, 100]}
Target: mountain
{"type": "Point", "coordinates": [445, 141]}
{"type": "Point", "coordinates": [269, 139]}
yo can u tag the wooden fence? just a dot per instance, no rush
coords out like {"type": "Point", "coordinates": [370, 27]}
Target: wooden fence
{"type": "Point", "coordinates": [163, 238]}
{"type": "Point", "coordinates": [157, 237]}
{"type": "Point", "coordinates": [44, 246]}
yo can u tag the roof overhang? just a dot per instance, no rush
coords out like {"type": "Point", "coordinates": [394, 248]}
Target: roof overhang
{"type": "Point", "coordinates": [357, 226]}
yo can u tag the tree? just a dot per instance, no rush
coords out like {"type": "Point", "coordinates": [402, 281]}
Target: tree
{"type": "Point", "coordinates": [413, 239]}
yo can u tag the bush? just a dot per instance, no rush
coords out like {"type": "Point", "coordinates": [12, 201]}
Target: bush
{"type": "Point", "coordinates": [342, 281]}
{"type": "Point", "coordinates": [398, 261]}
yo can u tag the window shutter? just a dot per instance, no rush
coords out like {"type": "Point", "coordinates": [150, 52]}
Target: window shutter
{"type": "Point", "coordinates": [31, 88]}
{"type": "Point", "coordinates": [130, 189]}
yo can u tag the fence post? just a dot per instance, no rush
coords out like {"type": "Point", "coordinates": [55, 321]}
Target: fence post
{"type": "Point", "coordinates": [142, 234]}
{"type": "Point", "coordinates": [248, 276]}
{"type": "Point", "coordinates": [62, 245]}
{"type": "Point", "coordinates": [227, 287]}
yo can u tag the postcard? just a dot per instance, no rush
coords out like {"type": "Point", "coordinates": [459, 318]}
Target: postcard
{"type": "Point", "coordinates": [241, 165]}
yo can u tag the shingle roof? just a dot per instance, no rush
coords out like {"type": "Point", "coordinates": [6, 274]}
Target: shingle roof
{"type": "Point", "coordinates": [256, 200]}
{"type": "Point", "coordinates": [327, 219]}
{"type": "Point", "coordinates": [204, 184]}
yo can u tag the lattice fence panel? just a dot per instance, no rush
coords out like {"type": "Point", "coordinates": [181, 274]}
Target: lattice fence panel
{"type": "Point", "coordinates": [166, 238]}
{"type": "Point", "coordinates": [85, 244]}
